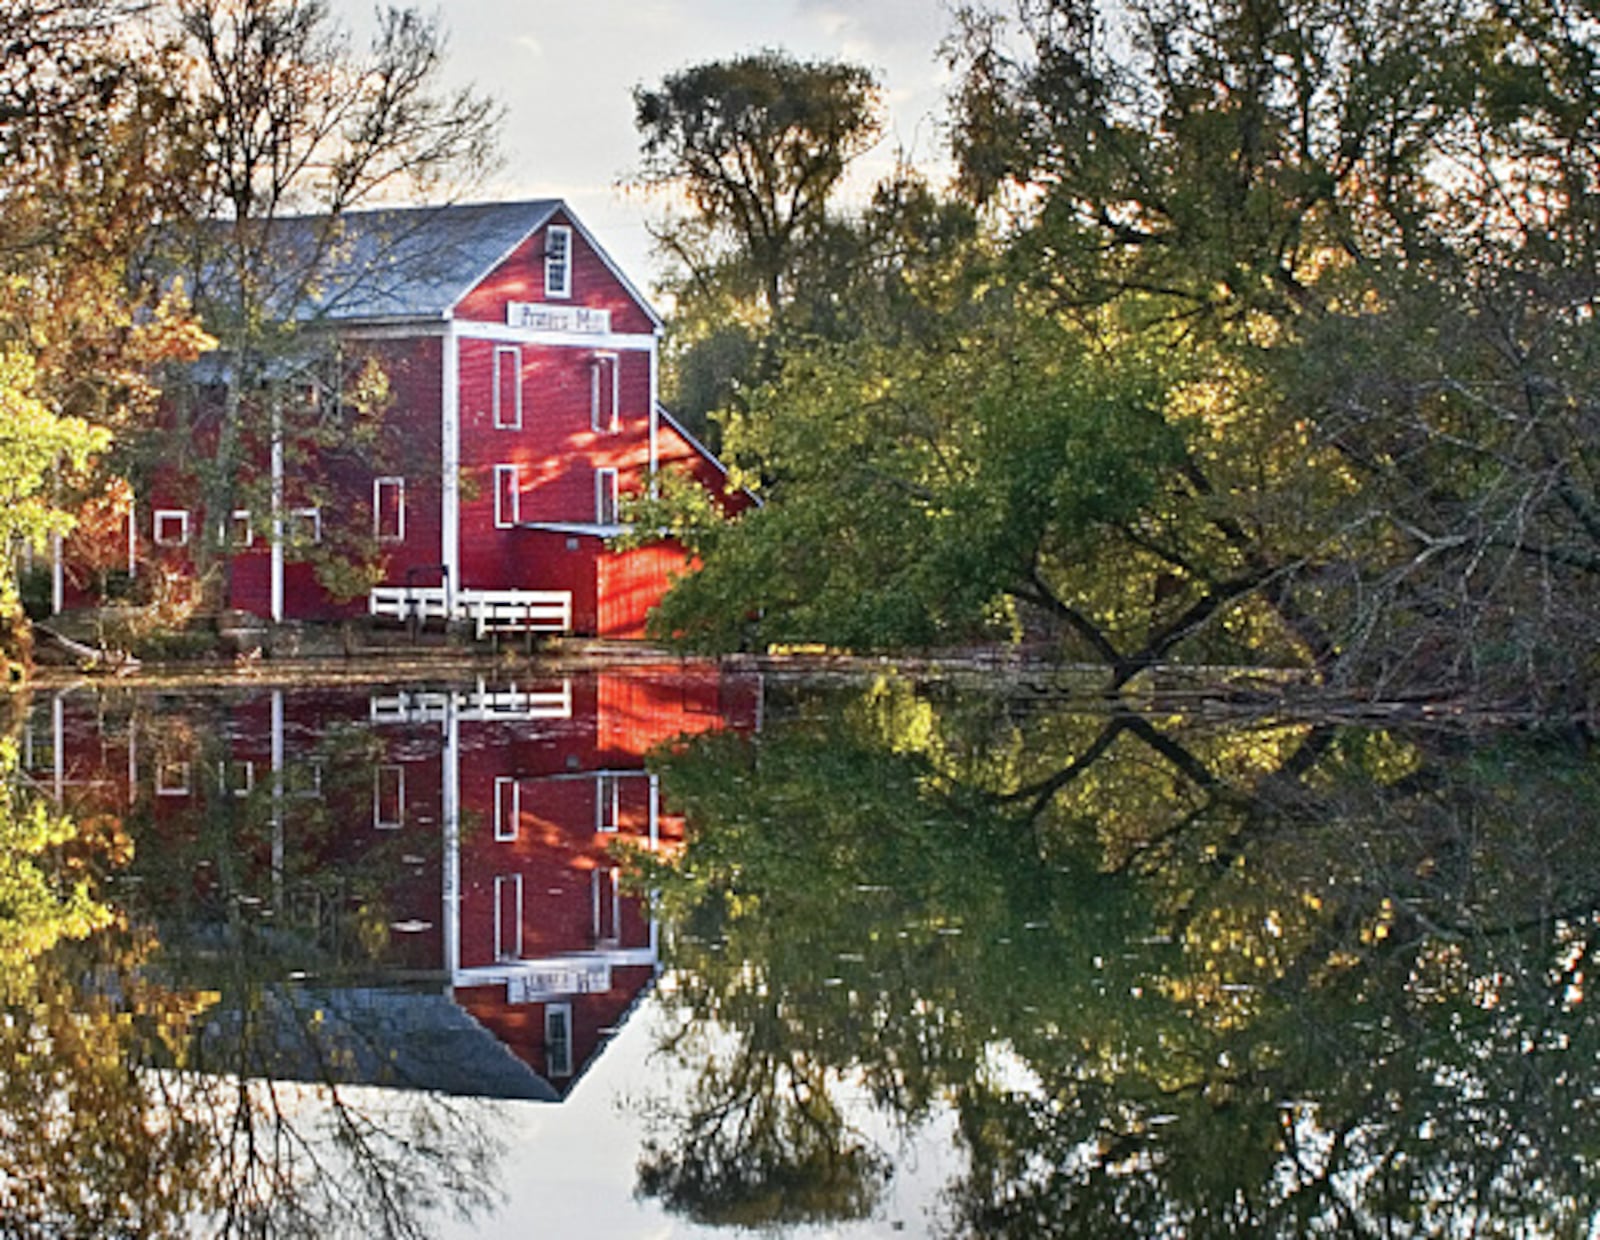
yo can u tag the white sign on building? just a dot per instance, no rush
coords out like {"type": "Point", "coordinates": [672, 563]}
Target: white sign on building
{"type": "Point", "coordinates": [542, 317]}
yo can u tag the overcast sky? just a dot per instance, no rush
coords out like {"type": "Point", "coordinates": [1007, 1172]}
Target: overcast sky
{"type": "Point", "coordinates": [566, 72]}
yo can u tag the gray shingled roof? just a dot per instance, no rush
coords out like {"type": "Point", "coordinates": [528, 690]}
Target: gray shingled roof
{"type": "Point", "coordinates": [400, 263]}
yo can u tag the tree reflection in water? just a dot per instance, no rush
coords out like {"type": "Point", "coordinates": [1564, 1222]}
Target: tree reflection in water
{"type": "Point", "coordinates": [1171, 977]}
{"type": "Point", "coordinates": [157, 1075]}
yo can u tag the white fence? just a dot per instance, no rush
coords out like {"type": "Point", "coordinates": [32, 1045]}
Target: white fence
{"type": "Point", "coordinates": [499, 611]}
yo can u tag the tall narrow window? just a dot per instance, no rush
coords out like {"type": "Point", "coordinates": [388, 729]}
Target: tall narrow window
{"type": "Point", "coordinates": [605, 392]}
{"type": "Point", "coordinates": [607, 801]}
{"type": "Point", "coordinates": [389, 797]}
{"type": "Point", "coordinates": [508, 917]}
{"type": "Point", "coordinates": [508, 387]}
{"type": "Point", "coordinates": [605, 892]}
{"type": "Point", "coordinates": [558, 261]}
{"type": "Point", "coordinates": [605, 497]}
{"type": "Point", "coordinates": [558, 1039]}
{"type": "Point", "coordinates": [171, 527]}
{"type": "Point", "coordinates": [507, 496]}
{"type": "Point", "coordinates": [241, 529]}
{"type": "Point", "coordinates": [389, 509]}
{"type": "Point", "coordinates": [507, 807]}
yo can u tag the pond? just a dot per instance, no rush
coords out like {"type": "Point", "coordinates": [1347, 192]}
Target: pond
{"type": "Point", "coordinates": [685, 949]}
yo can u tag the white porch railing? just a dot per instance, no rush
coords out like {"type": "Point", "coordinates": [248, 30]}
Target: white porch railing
{"type": "Point", "coordinates": [519, 611]}
{"type": "Point", "coordinates": [407, 603]}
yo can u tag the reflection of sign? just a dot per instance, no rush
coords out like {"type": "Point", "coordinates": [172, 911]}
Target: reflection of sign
{"type": "Point", "coordinates": [550, 981]}
{"type": "Point", "coordinates": [540, 317]}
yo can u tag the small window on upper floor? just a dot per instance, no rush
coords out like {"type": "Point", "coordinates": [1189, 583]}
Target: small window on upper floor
{"type": "Point", "coordinates": [558, 261]}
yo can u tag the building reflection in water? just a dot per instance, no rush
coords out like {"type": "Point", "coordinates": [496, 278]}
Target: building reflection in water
{"type": "Point", "coordinates": [438, 870]}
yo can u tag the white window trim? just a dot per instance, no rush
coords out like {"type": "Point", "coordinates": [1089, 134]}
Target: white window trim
{"type": "Point", "coordinates": [235, 518]}
{"type": "Point", "coordinates": [503, 829]}
{"type": "Point", "coordinates": [605, 487]}
{"type": "Point", "coordinates": [166, 785]}
{"type": "Point", "coordinates": [562, 289]}
{"type": "Point", "coordinates": [601, 418]}
{"type": "Point", "coordinates": [607, 801]}
{"type": "Point", "coordinates": [502, 884]}
{"type": "Point", "coordinates": [502, 520]}
{"type": "Point", "coordinates": [501, 420]}
{"type": "Point", "coordinates": [246, 772]}
{"type": "Point", "coordinates": [162, 515]}
{"type": "Point", "coordinates": [378, 820]}
{"type": "Point", "coordinates": [561, 1012]}
{"type": "Point", "coordinates": [314, 516]}
{"type": "Point", "coordinates": [605, 895]}
{"type": "Point", "coordinates": [378, 484]}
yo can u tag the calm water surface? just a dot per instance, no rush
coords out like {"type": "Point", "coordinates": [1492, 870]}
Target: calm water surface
{"type": "Point", "coordinates": [679, 950]}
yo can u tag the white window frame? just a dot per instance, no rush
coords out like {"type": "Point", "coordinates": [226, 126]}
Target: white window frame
{"type": "Point", "coordinates": [558, 1015]}
{"type": "Point", "coordinates": [502, 884]}
{"type": "Point", "coordinates": [607, 801]}
{"type": "Point", "coordinates": [504, 420]}
{"type": "Point", "coordinates": [503, 520]}
{"type": "Point", "coordinates": [292, 534]}
{"type": "Point", "coordinates": [558, 262]}
{"type": "Point", "coordinates": [507, 810]}
{"type": "Point", "coordinates": [605, 495]}
{"type": "Point", "coordinates": [161, 515]}
{"type": "Point", "coordinates": [605, 894]}
{"type": "Point", "coordinates": [245, 769]}
{"type": "Point", "coordinates": [238, 519]}
{"type": "Point", "coordinates": [172, 779]}
{"type": "Point", "coordinates": [399, 820]}
{"type": "Point", "coordinates": [602, 418]}
{"type": "Point", "coordinates": [378, 484]}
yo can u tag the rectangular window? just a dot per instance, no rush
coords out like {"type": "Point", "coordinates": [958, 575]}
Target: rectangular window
{"type": "Point", "coordinates": [558, 261]}
{"type": "Point", "coordinates": [172, 779]}
{"type": "Point", "coordinates": [171, 527]}
{"type": "Point", "coordinates": [607, 801]}
{"type": "Point", "coordinates": [507, 496]}
{"type": "Point", "coordinates": [605, 392]}
{"type": "Point", "coordinates": [605, 890]}
{"type": "Point", "coordinates": [389, 797]}
{"type": "Point", "coordinates": [508, 387]}
{"type": "Point", "coordinates": [238, 778]}
{"type": "Point", "coordinates": [389, 509]}
{"type": "Point", "coordinates": [508, 917]}
{"type": "Point", "coordinates": [241, 529]}
{"type": "Point", "coordinates": [303, 528]}
{"type": "Point", "coordinates": [507, 807]}
{"type": "Point", "coordinates": [558, 1039]}
{"type": "Point", "coordinates": [605, 497]}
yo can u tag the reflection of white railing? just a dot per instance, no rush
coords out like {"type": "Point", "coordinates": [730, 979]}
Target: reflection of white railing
{"type": "Point", "coordinates": [520, 611]}
{"type": "Point", "coordinates": [478, 705]}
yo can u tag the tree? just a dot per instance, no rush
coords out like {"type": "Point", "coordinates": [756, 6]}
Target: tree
{"type": "Point", "coordinates": [1378, 220]}
{"type": "Point", "coordinates": [757, 147]}
{"type": "Point", "coordinates": [296, 123]}
{"type": "Point", "coordinates": [92, 151]}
